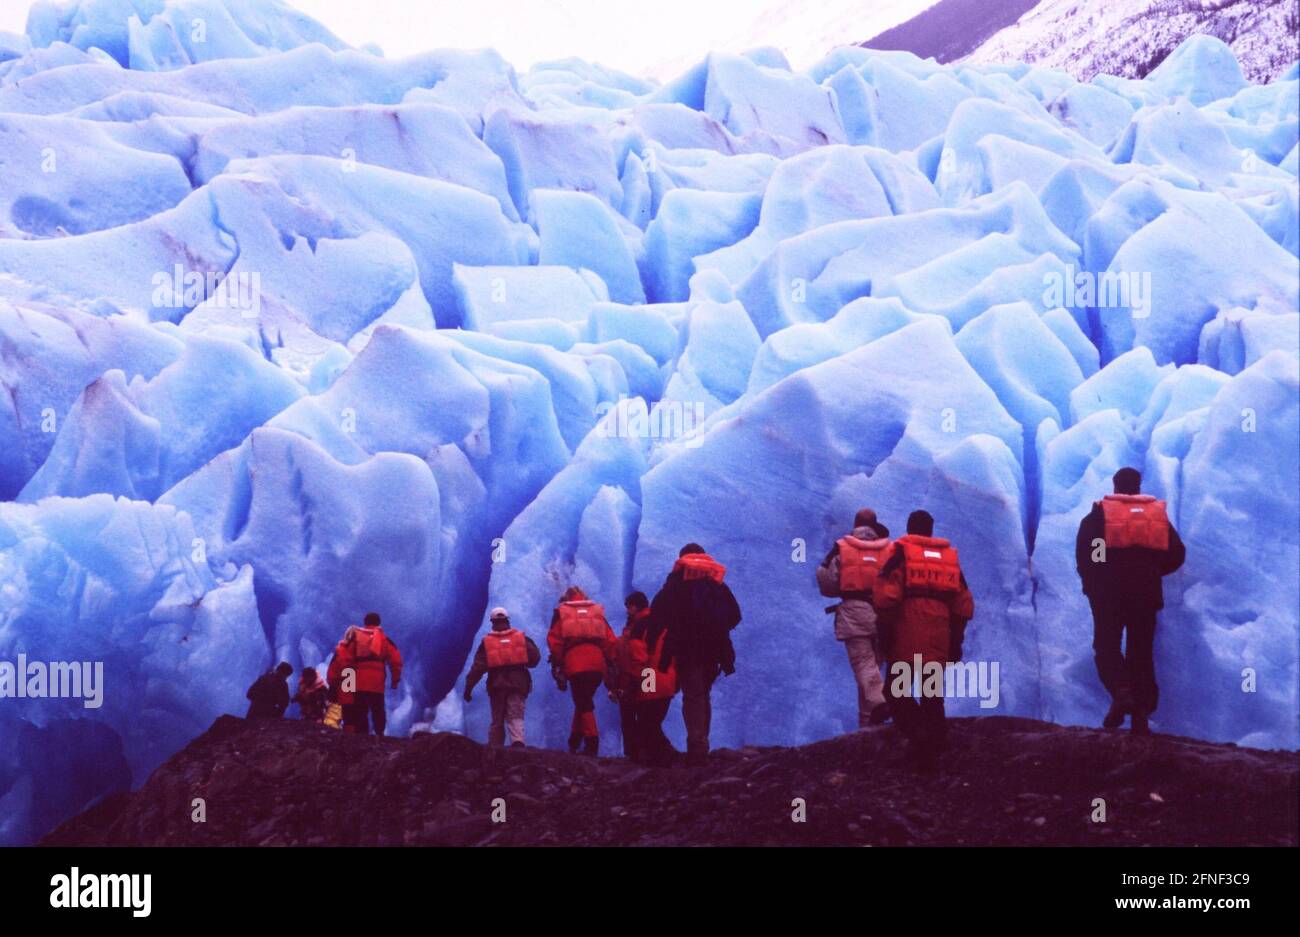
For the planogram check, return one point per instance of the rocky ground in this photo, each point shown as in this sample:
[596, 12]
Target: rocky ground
[1004, 781]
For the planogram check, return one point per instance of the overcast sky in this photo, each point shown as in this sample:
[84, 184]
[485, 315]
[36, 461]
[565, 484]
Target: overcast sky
[650, 37]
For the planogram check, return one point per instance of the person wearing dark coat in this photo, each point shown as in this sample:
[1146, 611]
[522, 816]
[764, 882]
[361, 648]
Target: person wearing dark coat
[269, 695]
[698, 611]
[1125, 547]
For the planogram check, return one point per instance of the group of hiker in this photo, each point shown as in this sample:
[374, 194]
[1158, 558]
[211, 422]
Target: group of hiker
[350, 697]
[900, 601]
[903, 603]
[681, 640]
[907, 602]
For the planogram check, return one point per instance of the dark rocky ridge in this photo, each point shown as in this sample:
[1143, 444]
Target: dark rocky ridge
[951, 29]
[1005, 781]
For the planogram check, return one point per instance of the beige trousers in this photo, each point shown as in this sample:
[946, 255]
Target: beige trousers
[866, 670]
[507, 713]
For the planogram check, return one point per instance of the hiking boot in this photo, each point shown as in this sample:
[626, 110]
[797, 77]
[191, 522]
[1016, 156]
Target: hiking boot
[879, 715]
[574, 741]
[1114, 716]
[1139, 724]
[517, 745]
[591, 745]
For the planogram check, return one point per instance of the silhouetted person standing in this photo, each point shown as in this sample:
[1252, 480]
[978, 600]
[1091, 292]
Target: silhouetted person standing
[268, 697]
[1124, 548]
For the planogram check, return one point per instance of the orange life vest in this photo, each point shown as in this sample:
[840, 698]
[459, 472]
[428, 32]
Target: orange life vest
[930, 565]
[582, 620]
[507, 648]
[665, 682]
[861, 561]
[632, 653]
[700, 566]
[368, 644]
[1135, 521]
[637, 664]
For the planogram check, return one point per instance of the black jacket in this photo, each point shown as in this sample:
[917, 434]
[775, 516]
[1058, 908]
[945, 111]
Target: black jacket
[1130, 576]
[698, 615]
[515, 679]
[268, 696]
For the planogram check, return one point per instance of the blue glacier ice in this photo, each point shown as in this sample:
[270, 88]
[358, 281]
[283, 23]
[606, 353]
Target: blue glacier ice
[291, 331]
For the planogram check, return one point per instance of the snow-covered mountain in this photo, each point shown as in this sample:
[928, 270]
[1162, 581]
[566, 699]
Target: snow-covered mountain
[1131, 37]
[290, 332]
[1127, 38]
[805, 30]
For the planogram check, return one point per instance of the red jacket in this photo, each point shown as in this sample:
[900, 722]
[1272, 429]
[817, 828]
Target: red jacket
[590, 652]
[924, 598]
[366, 651]
[633, 657]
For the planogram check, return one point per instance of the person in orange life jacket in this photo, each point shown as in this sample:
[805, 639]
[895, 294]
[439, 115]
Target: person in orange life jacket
[643, 692]
[582, 646]
[1124, 548]
[269, 695]
[357, 669]
[923, 593]
[311, 695]
[505, 655]
[698, 612]
[848, 573]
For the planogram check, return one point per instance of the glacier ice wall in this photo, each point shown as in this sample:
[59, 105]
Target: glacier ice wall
[290, 331]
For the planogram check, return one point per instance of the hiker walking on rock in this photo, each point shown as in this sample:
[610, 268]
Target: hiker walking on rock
[644, 692]
[849, 573]
[698, 612]
[505, 655]
[357, 669]
[924, 594]
[582, 646]
[1124, 548]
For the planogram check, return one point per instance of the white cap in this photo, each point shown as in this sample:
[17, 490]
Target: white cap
[498, 612]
